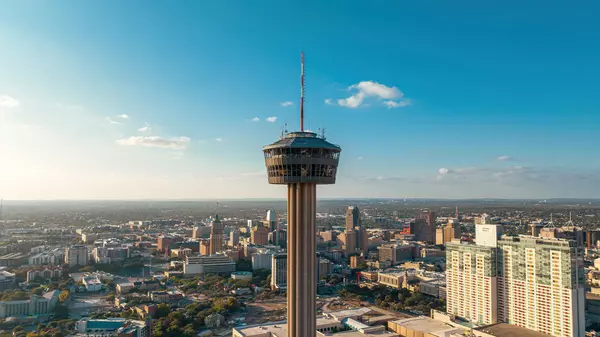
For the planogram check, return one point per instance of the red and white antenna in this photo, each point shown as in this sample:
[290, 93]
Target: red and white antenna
[302, 94]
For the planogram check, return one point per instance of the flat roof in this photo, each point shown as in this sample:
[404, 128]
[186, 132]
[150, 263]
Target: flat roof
[509, 330]
[423, 324]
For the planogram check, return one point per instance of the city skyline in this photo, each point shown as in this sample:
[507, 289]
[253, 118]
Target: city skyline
[124, 104]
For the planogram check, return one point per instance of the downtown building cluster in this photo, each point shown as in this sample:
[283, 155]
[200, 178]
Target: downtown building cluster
[532, 282]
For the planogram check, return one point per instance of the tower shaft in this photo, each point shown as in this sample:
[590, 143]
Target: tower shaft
[301, 287]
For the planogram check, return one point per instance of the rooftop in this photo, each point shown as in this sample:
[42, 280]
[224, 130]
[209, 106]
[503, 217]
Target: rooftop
[509, 330]
[425, 325]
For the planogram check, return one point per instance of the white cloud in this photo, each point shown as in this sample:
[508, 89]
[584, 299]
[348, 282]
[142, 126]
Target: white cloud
[178, 143]
[329, 101]
[286, 104]
[272, 119]
[256, 119]
[353, 101]
[145, 128]
[395, 104]
[443, 170]
[112, 121]
[219, 139]
[8, 101]
[123, 116]
[504, 158]
[366, 89]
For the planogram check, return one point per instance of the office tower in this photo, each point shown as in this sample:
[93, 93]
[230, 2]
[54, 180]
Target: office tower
[163, 243]
[325, 267]
[279, 271]
[280, 238]
[424, 227]
[234, 238]
[451, 231]
[350, 243]
[259, 235]
[541, 285]
[362, 238]
[439, 236]
[272, 220]
[204, 247]
[76, 255]
[395, 253]
[301, 160]
[471, 282]
[216, 236]
[356, 261]
[352, 218]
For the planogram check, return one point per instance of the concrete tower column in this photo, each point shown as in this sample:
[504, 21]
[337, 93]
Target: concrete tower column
[301, 287]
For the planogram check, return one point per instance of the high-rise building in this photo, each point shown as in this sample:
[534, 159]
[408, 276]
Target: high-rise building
[259, 235]
[451, 231]
[163, 242]
[351, 239]
[325, 267]
[279, 271]
[216, 236]
[356, 261]
[395, 253]
[301, 160]
[262, 261]
[362, 239]
[541, 285]
[272, 220]
[204, 247]
[471, 282]
[352, 218]
[76, 255]
[234, 238]
[424, 227]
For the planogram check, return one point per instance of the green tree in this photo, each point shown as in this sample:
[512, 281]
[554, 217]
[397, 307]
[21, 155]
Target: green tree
[63, 296]
[61, 311]
[162, 310]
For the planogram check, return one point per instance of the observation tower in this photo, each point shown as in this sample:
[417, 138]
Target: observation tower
[301, 160]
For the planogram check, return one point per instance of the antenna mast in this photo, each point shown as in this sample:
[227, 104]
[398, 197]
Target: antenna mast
[302, 94]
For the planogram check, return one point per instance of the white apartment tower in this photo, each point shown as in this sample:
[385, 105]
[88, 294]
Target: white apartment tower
[541, 285]
[471, 282]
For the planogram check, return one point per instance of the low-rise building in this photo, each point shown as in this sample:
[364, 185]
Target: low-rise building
[7, 280]
[424, 326]
[212, 264]
[48, 272]
[34, 306]
[113, 327]
[92, 283]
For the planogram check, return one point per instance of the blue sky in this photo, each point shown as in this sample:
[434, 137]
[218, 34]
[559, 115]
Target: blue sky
[137, 99]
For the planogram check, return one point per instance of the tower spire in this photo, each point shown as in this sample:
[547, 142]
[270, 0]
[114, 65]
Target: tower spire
[302, 93]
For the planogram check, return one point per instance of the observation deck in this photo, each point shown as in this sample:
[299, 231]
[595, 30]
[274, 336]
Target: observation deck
[302, 157]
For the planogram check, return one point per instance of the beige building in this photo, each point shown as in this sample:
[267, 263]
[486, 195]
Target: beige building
[356, 261]
[259, 236]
